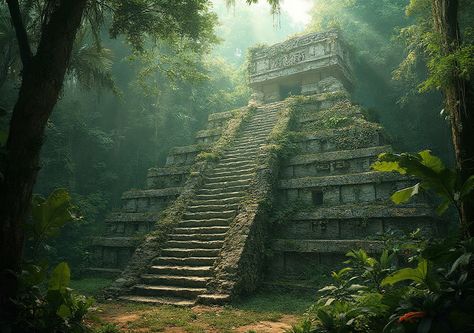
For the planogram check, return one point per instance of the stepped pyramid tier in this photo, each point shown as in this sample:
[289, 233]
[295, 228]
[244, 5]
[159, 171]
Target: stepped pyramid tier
[286, 175]
[215, 231]
[141, 208]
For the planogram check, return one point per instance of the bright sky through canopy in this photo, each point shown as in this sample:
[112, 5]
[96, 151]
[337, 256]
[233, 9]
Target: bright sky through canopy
[242, 25]
[298, 10]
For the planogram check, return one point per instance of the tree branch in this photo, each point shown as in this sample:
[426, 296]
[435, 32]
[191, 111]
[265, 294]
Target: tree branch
[20, 30]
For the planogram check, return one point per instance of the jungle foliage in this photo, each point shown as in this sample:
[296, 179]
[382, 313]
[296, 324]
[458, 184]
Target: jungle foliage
[414, 286]
[394, 57]
[45, 302]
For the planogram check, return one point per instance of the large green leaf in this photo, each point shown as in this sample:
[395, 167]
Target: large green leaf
[467, 187]
[60, 277]
[325, 318]
[417, 274]
[432, 162]
[49, 215]
[428, 169]
[441, 209]
[405, 194]
[64, 311]
[463, 260]
[388, 162]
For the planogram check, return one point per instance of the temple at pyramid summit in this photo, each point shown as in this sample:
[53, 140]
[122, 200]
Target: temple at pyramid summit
[267, 193]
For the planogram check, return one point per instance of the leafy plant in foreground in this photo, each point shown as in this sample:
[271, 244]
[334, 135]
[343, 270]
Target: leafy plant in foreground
[436, 295]
[441, 290]
[432, 174]
[45, 303]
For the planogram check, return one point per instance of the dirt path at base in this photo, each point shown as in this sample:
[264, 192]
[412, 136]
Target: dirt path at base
[280, 326]
[124, 318]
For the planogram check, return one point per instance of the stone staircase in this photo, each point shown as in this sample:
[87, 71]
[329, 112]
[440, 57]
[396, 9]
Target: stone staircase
[180, 273]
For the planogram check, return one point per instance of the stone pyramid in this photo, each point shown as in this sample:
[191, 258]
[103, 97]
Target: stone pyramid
[288, 175]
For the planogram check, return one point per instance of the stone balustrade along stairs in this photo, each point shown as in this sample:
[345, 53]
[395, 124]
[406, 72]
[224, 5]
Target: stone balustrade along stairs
[179, 275]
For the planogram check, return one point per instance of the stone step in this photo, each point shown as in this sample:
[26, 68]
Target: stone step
[205, 271]
[216, 222]
[213, 299]
[174, 280]
[186, 253]
[225, 201]
[190, 261]
[224, 189]
[264, 118]
[254, 132]
[250, 144]
[251, 138]
[245, 171]
[237, 158]
[261, 121]
[232, 169]
[258, 124]
[146, 290]
[201, 237]
[233, 164]
[231, 177]
[223, 183]
[220, 196]
[158, 300]
[264, 128]
[251, 134]
[195, 244]
[247, 150]
[212, 207]
[208, 215]
[201, 230]
[247, 153]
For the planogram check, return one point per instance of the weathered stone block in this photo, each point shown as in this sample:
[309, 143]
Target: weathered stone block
[304, 170]
[331, 195]
[360, 228]
[166, 177]
[287, 172]
[348, 195]
[365, 192]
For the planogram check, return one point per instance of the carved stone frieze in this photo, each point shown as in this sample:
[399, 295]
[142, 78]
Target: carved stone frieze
[311, 56]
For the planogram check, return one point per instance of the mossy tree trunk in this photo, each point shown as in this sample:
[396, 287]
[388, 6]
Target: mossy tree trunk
[459, 101]
[42, 78]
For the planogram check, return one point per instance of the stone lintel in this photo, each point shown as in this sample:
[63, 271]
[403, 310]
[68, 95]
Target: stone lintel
[368, 211]
[338, 155]
[115, 241]
[165, 192]
[325, 246]
[168, 171]
[349, 179]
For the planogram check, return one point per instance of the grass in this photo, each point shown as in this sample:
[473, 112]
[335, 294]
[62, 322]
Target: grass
[90, 286]
[277, 302]
[268, 306]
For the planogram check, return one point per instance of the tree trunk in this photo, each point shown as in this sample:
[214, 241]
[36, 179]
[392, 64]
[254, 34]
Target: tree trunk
[42, 79]
[459, 102]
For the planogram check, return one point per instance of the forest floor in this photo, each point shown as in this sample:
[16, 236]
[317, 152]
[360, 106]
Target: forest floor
[264, 312]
